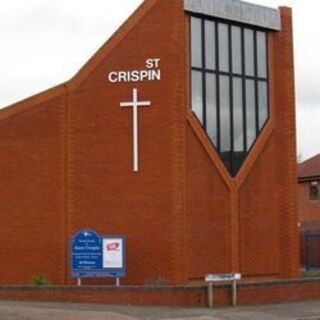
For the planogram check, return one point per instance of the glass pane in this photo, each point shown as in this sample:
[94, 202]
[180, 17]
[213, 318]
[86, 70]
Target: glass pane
[224, 91]
[237, 115]
[262, 54]
[210, 45]
[196, 56]
[263, 103]
[197, 101]
[250, 113]
[211, 108]
[223, 47]
[236, 50]
[249, 52]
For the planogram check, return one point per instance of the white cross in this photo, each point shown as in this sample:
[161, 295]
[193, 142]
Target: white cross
[135, 104]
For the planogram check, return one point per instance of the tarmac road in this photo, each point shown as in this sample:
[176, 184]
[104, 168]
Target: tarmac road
[69, 311]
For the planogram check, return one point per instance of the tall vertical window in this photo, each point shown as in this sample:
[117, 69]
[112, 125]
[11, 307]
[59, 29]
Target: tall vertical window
[229, 85]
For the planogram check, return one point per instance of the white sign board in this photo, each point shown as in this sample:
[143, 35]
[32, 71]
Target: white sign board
[112, 253]
[222, 277]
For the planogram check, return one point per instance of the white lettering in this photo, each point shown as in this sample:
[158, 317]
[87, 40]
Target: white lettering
[156, 75]
[152, 63]
[149, 63]
[113, 77]
[122, 76]
[144, 74]
[151, 73]
[135, 77]
[156, 62]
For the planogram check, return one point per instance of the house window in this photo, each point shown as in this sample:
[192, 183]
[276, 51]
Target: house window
[314, 190]
[229, 85]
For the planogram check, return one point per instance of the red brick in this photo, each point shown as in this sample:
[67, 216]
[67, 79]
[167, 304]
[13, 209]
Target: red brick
[67, 165]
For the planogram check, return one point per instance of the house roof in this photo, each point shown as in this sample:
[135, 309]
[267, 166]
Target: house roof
[309, 168]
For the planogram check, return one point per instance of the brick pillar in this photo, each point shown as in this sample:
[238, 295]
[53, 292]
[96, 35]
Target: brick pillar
[283, 68]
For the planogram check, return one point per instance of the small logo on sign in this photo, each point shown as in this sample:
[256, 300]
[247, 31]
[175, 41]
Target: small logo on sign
[114, 246]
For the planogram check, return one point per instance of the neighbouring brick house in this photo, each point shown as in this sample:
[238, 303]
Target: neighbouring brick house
[212, 187]
[309, 202]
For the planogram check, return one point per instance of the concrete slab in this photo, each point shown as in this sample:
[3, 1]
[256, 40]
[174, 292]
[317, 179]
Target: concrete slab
[14, 312]
[69, 311]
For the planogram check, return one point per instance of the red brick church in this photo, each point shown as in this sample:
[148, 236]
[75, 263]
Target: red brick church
[179, 133]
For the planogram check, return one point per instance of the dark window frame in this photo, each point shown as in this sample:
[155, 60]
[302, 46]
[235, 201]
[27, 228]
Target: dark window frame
[314, 194]
[232, 164]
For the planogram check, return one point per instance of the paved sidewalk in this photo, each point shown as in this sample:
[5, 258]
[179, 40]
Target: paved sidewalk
[68, 311]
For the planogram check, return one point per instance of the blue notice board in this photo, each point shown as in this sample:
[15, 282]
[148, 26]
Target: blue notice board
[95, 256]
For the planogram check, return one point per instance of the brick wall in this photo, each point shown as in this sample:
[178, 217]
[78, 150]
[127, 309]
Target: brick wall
[191, 296]
[32, 225]
[309, 210]
[146, 207]
[68, 160]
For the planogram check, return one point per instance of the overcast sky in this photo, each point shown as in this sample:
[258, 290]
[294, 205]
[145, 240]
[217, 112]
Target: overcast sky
[45, 42]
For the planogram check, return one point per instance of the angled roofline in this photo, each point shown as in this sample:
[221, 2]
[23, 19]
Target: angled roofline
[111, 43]
[33, 101]
[308, 179]
[305, 173]
[86, 69]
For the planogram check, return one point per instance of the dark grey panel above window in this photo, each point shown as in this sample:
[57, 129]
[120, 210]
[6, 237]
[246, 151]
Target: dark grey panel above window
[235, 10]
[229, 80]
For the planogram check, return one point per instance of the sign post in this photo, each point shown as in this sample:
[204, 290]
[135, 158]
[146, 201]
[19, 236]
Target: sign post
[227, 277]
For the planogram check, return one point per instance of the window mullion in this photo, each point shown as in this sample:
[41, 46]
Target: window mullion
[268, 89]
[218, 87]
[244, 109]
[204, 90]
[232, 166]
[256, 81]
